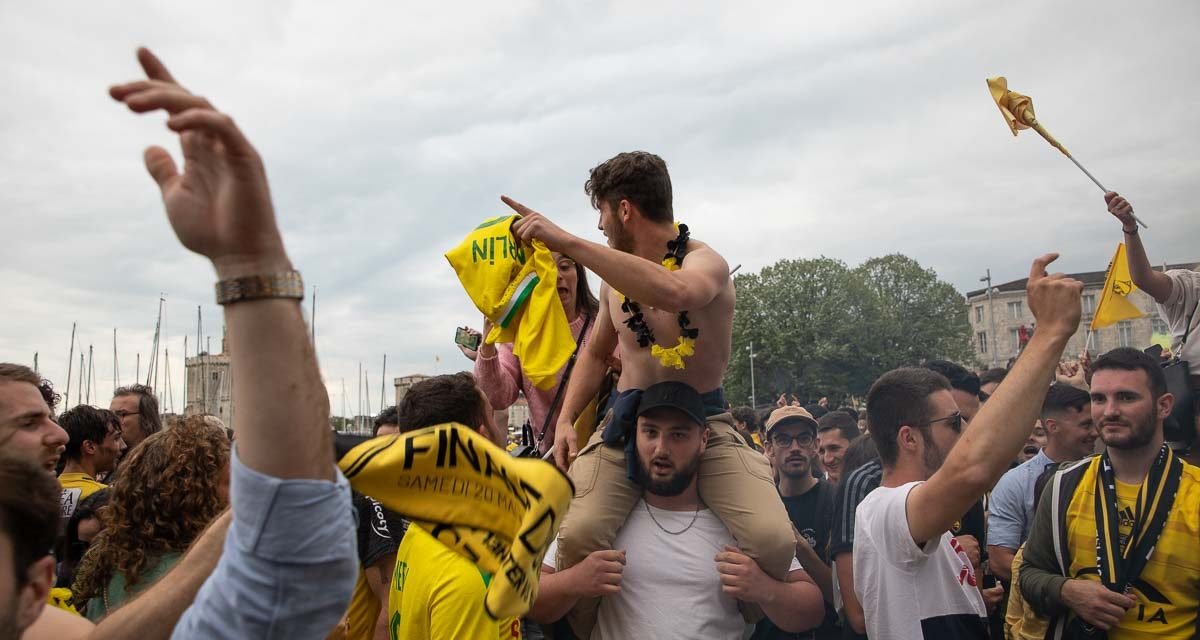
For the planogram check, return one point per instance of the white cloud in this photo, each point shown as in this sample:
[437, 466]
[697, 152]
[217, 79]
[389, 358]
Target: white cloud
[795, 130]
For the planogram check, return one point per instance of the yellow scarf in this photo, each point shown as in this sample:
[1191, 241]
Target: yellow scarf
[498, 511]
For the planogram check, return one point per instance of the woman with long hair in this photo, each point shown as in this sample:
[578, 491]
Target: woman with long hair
[498, 371]
[168, 490]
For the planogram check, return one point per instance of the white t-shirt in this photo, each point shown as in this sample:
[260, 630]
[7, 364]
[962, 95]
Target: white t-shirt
[906, 591]
[1182, 303]
[670, 587]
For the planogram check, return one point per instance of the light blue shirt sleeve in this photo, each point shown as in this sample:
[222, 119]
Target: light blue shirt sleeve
[1006, 510]
[289, 563]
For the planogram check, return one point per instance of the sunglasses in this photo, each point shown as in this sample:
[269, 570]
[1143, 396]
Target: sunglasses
[954, 421]
[784, 440]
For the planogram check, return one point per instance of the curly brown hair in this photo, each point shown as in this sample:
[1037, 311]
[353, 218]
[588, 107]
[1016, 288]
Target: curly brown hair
[166, 493]
[637, 176]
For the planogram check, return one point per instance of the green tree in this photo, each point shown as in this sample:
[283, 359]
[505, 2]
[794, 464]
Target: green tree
[821, 328]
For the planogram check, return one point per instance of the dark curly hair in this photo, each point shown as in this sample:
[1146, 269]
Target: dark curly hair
[168, 490]
[637, 176]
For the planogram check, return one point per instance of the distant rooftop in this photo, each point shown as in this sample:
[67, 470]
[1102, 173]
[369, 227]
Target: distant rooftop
[1088, 278]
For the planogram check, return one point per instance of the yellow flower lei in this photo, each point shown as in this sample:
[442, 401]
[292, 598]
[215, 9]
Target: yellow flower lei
[672, 357]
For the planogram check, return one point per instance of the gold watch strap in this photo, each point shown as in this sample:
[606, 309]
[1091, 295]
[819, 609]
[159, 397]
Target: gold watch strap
[287, 284]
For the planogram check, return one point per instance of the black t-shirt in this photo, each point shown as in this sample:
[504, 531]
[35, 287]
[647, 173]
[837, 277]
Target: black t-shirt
[812, 515]
[379, 530]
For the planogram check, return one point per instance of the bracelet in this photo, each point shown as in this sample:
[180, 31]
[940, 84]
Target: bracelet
[1130, 233]
[287, 284]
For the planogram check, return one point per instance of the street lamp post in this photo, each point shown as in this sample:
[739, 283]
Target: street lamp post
[991, 316]
[753, 395]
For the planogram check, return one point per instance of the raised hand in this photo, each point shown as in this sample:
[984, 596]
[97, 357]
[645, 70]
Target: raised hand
[535, 226]
[220, 206]
[1054, 299]
[1121, 210]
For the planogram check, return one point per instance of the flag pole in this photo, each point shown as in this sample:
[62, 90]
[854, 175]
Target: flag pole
[1031, 120]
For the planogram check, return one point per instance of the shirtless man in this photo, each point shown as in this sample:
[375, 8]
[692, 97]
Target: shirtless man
[632, 192]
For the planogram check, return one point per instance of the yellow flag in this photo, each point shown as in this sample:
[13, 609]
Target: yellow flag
[1118, 284]
[1017, 110]
[498, 511]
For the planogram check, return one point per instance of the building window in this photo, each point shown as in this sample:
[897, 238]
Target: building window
[1014, 310]
[982, 339]
[1125, 333]
[1089, 303]
[1158, 326]
[1014, 340]
[978, 314]
[216, 376]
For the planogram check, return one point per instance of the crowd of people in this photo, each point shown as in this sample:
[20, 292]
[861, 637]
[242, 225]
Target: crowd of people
[1042, 500]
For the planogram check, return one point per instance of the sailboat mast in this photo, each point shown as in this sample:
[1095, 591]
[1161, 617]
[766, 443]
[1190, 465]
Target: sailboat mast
[70, 362]
[116, 370]
[383, 385]
[87, 394]
[152, 368]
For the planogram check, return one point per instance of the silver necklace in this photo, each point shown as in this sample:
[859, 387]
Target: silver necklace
[668, 531]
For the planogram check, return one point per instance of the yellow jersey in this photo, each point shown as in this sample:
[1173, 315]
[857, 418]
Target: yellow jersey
[437, 594]
[1168, 590]
[75, 487]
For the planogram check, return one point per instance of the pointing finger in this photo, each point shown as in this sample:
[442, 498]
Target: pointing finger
[154, 68]
[1039, 266]
[516, 206]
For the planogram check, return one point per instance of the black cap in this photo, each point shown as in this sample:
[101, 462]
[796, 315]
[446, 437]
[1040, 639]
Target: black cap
[674, 395]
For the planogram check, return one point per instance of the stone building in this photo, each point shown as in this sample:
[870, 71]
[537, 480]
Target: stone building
[404, 383]
[209, 387]
[1001, 326]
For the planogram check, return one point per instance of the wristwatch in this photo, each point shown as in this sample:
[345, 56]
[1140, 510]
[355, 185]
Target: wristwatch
[287, 284]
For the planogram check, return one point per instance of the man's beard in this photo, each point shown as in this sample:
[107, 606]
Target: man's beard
[1140, 434]
[670, 487]
[932, 456]
[621, 239]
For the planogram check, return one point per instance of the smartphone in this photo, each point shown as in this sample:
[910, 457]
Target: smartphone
[467, 339]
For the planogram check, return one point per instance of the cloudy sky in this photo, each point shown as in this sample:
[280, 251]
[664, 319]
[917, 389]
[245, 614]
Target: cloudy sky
[792, 130]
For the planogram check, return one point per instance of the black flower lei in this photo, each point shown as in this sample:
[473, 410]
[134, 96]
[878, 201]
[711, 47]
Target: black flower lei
[676, 250]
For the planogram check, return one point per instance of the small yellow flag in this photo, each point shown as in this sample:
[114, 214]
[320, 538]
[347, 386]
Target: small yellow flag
[1017, 110]
[1118, 284]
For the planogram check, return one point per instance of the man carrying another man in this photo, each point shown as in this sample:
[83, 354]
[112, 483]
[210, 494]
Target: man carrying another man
[678, 572]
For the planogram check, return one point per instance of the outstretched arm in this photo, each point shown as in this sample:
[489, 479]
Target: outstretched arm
[220, 207]
[1003, 424]
[292, 516]
[700, 279]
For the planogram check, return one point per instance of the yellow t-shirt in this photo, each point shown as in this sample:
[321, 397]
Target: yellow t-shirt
[1168, 590]
[363, 610]
[437, 594]
[1020, 622]
[75, 487]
